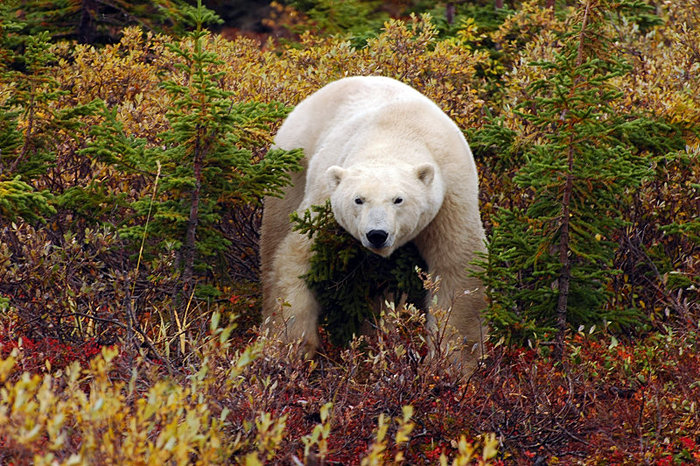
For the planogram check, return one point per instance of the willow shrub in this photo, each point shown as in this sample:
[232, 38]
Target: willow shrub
[227, 406]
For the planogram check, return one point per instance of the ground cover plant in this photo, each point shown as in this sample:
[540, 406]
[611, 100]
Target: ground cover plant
[131, 179]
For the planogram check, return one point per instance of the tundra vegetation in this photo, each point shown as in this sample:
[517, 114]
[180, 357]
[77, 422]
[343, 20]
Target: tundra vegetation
[133, 161]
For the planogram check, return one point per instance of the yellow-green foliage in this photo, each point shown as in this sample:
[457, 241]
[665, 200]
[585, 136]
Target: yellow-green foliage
[665, 73]
[409, 51]
[126, 74]
[91, 416]
[84, 417]
[665, 78]
[531, 22]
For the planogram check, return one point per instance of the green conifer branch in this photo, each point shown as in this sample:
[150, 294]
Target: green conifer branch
[351, 282]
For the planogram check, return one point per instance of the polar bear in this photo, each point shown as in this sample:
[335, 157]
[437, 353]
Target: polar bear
[396, 169]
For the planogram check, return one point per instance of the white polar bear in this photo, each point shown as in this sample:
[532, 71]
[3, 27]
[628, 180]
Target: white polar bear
[396, 169]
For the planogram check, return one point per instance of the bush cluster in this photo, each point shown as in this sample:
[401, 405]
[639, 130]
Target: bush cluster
[243, 403]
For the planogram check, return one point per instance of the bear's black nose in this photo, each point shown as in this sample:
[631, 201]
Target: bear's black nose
[377, 237]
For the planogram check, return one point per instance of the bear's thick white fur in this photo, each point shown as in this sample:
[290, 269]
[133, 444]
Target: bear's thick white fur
[392, 164]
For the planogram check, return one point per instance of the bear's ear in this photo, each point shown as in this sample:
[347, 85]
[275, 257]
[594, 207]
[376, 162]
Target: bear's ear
[425, 172]
[334, 175]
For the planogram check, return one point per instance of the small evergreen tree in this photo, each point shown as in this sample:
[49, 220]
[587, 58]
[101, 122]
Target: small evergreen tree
[549, 265]
[204, 166]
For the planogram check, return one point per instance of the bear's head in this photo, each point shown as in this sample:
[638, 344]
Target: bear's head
[385, 207]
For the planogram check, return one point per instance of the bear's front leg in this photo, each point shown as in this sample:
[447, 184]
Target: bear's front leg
[462, 298]
[300, 309]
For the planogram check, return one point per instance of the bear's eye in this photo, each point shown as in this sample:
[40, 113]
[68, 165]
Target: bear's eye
[398, 200]
[359, 201]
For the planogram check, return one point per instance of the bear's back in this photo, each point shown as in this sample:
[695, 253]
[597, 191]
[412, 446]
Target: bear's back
[346, 102]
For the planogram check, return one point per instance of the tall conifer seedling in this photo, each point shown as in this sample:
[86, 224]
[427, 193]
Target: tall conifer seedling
[549, 265]
[206, 164]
